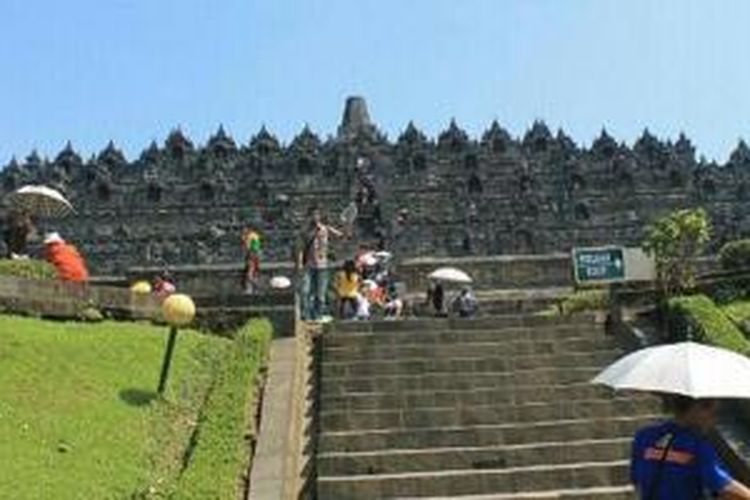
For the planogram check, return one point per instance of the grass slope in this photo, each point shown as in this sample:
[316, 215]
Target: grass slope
[76, 419]
[222, 444]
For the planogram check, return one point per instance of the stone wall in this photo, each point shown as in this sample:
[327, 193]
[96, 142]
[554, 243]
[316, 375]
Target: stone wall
[451, 196]
[58, 299]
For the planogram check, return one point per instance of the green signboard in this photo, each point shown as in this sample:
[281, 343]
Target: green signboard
[603, 264]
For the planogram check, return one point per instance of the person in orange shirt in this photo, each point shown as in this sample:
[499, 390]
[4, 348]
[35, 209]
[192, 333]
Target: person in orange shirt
[66, 259]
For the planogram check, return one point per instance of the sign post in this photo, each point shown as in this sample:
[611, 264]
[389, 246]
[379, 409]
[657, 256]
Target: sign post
[599, 265]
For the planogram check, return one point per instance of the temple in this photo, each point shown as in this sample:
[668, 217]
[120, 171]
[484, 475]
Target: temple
[451, 196]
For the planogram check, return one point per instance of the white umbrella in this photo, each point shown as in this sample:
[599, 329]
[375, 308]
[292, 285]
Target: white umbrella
[383, 255]
[40, 201]
[686, 368]
[450, 275]
[280, 282]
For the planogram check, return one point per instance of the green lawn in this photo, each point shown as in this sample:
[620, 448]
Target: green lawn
[77, 420]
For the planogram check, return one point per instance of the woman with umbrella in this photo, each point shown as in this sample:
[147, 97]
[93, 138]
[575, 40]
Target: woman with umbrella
[436, 290]
[25, 203]
[19, 228]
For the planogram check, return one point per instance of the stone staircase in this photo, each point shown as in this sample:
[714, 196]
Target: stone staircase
[491, 408]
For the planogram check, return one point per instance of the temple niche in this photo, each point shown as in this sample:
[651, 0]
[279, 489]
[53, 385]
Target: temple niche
[182, 203]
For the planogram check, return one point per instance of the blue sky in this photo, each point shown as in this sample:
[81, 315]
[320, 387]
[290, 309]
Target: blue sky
[94, 70]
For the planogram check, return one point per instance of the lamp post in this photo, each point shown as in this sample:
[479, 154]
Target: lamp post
[178, 310]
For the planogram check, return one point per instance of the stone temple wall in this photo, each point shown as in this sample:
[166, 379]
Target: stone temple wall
[451, 196]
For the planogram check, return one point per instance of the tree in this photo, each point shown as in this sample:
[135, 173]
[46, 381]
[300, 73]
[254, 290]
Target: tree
[674, 241]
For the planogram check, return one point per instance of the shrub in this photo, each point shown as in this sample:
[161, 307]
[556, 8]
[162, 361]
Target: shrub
[738, 311]
[674, 241]
[27, 268]
[91, 314]
[697, 317]
[735, 255]
[727, 291]
[579, 301]
[220, 452]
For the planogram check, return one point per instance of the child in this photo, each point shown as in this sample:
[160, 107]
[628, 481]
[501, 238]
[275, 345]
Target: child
[363, 308]
[252, 246]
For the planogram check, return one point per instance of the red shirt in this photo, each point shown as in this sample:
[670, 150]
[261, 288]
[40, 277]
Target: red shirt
[68, 262]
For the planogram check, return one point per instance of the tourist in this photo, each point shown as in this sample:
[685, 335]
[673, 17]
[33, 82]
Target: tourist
[363, 307]
[314, 260]
[375, 293]
[394, 305]
[465, 303]
[362, 258]
[674, 460]
[164, 286]
[436, 298]
[347, 288]
[19, 229]
[251, 244]
[66, 259]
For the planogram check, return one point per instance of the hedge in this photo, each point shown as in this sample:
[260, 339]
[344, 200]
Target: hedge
[704, 321]
[580, 301]
[735, 255]
[220, 454]
[27, 268]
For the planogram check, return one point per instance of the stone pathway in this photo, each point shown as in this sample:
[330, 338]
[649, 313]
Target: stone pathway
[271, 465]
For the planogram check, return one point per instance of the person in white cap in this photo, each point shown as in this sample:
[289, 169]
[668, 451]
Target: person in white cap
[66, 259]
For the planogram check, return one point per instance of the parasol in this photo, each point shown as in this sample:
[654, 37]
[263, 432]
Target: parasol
[685, 368]
[40, 201]
[450, 275]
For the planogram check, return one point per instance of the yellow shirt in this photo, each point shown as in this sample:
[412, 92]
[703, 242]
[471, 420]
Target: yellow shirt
[347, 287]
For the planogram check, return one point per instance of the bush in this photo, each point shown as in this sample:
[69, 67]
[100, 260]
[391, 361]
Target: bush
[91, 314]
[738, 311]
[727, 291]
[697, 317]
[220, 453]
[27, 268]
[735, 255]
[580, 301]
[674, 241]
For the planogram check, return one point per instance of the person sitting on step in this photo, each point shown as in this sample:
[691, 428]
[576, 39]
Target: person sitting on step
[347, 288]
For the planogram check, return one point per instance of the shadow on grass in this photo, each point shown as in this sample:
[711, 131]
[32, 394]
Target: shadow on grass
[137, 397]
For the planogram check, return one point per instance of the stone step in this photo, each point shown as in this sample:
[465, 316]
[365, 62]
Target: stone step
[466, 482]
[463, 398]
[457, 381]
[598, 493]
[468, 349]
[483, 435]
[492, 362]
[489, 457]
[428, 337]
[479, 415]
[488, 322]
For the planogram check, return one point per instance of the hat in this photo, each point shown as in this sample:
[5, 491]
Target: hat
[53, 237]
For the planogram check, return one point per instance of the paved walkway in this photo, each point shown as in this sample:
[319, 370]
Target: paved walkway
[272, 465]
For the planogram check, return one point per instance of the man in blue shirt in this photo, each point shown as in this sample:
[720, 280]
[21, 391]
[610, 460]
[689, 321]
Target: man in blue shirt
[674, 461]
